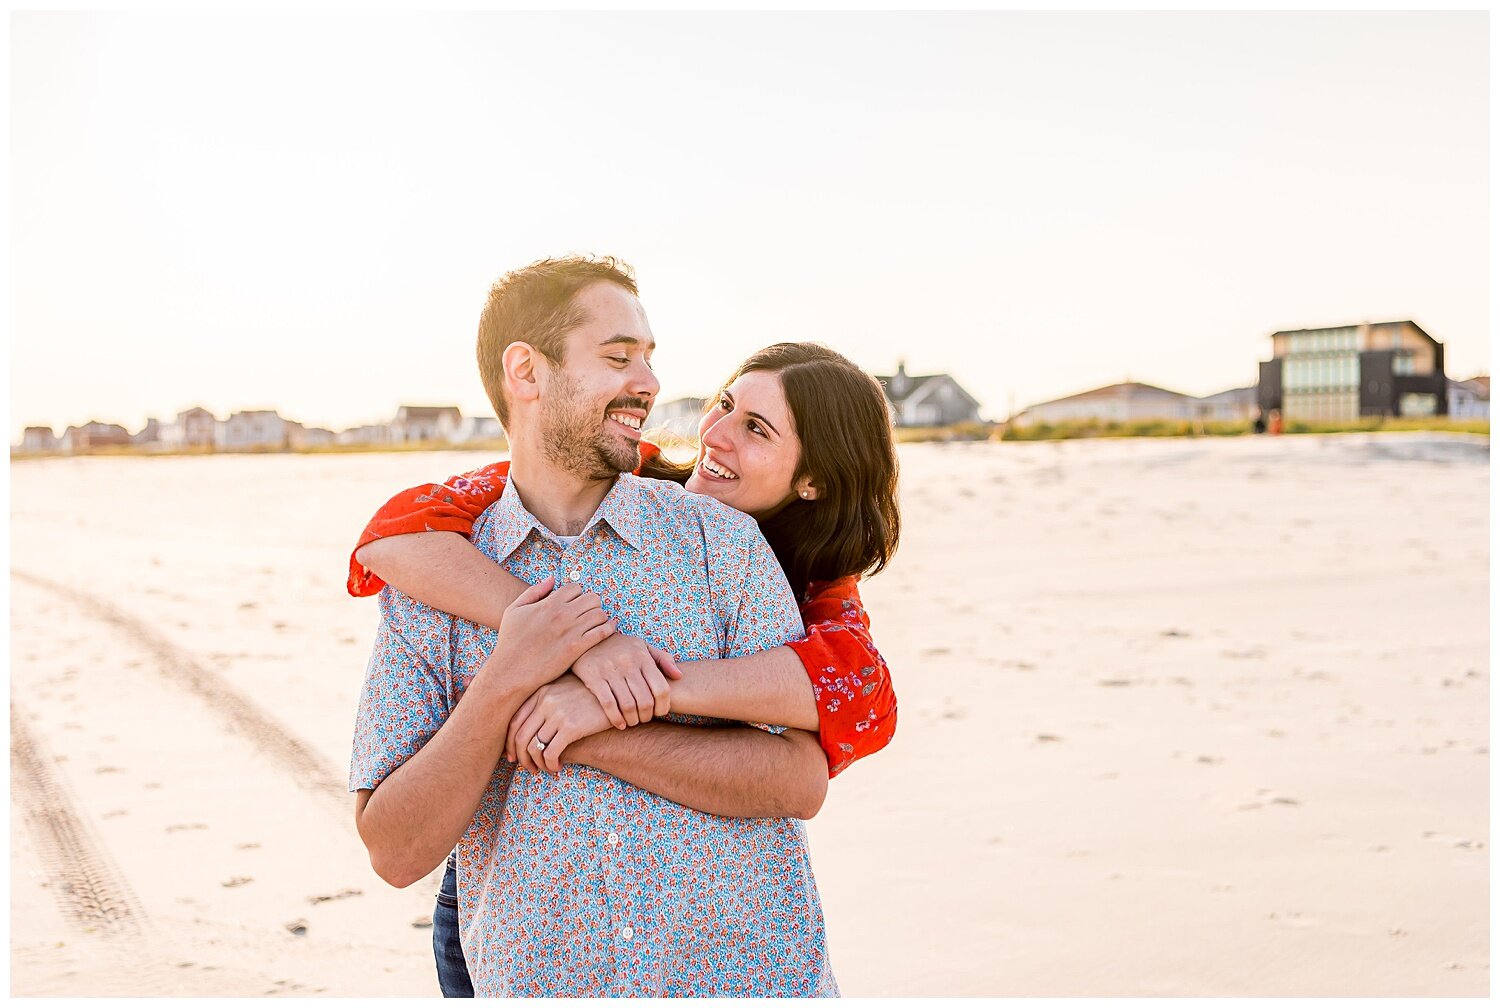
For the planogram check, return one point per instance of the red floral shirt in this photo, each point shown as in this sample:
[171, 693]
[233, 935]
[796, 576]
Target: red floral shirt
[850, 680]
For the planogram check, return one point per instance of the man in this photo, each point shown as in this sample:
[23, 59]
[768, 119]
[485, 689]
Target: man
[594, 881]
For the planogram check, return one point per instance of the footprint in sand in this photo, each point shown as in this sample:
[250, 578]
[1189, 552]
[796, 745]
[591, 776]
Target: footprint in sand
[1294, 919]
[297, 927]
[341, 894]
[1453, 841]
[238, 880]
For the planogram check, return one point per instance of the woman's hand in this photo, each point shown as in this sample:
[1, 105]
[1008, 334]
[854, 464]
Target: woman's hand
[629, 679]
[543, 632]
[556, 715]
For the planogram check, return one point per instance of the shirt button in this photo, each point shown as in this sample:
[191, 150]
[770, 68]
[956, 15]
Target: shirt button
[614, 839]
[575, 574]
[627, 932]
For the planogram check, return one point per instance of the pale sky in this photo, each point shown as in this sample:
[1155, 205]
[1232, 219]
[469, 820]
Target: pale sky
[304, 212]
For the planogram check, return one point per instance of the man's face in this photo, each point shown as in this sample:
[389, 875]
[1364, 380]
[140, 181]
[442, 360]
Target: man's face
[594, 403]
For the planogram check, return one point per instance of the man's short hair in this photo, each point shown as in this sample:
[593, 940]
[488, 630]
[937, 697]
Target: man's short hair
[534, 305]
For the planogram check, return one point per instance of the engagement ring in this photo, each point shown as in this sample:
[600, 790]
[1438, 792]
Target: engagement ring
[540, 745]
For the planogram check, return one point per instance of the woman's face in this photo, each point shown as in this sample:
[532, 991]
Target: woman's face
[750, 448]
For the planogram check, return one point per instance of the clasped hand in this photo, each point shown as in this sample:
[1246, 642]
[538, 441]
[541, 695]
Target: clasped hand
[615, 679]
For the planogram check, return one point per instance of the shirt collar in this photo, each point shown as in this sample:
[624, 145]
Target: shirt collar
[621, 509]
[511, 523]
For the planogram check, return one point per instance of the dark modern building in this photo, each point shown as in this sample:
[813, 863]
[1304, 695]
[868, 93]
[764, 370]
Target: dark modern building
[1346, 372]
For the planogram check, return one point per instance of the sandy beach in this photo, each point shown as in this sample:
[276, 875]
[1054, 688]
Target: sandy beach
[1177, 717]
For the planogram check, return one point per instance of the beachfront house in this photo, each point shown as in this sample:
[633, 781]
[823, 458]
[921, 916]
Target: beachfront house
[477, 428]
[1469, 400]
[368, 434]
[680, 416]
[1120, 403]
[192, 428]
[37, 439]
[300, 437]
[149, 434]
[1346, 372]
[425, 423]
[1232, 405]
[91, 436]
[935, 400]
[252, 430]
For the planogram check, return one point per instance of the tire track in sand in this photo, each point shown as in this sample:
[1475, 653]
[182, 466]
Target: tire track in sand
[307, 769]
[91, 891]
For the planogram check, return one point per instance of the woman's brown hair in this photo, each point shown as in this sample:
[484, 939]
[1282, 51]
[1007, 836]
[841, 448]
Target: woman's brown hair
[853, 524]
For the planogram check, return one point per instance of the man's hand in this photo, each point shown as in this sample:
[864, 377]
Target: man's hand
[543, 632]
[629, 678]
[557, 714]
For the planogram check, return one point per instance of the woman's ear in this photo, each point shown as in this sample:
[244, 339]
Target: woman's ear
[805, 489]
[519, 362]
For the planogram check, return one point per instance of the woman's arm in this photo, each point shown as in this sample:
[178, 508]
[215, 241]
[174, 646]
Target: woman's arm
[834, 681]
[452, 506]
[446, 571]
[770, 687]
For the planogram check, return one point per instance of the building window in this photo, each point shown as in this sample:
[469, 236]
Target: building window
[1404, 363]
[1418, 404]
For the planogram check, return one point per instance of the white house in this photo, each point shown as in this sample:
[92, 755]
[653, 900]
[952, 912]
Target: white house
[1469, 400]
[1122, 402]
[38, 439]
[299, 436]
[425, 423]
[477, 428]
[192, 428]
[250, 429]
[1237, 404]
[369, 434]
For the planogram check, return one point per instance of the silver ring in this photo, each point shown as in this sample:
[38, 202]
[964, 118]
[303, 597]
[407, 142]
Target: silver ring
[540, 745]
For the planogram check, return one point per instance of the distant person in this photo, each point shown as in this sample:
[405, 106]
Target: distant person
[1274, 426]
[1259, 426]
[828, 506]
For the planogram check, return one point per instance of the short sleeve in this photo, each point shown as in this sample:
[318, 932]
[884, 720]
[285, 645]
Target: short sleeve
[408, 691]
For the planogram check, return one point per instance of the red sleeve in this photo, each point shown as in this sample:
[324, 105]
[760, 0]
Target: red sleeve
[850, 681]
[453, 506]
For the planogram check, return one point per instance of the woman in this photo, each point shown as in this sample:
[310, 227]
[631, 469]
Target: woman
[800, 439]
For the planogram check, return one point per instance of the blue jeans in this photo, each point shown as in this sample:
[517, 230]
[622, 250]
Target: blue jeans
[452, 971]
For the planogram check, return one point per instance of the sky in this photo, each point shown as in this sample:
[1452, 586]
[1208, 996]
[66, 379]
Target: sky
[304, 212]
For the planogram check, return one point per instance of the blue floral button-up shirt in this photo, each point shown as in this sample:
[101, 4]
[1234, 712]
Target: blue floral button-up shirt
[580, 883]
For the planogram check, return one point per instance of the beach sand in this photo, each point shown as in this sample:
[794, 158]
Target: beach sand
[1177, 717]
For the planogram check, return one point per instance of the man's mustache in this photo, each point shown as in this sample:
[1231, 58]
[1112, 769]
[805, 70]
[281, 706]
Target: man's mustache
[629, 402]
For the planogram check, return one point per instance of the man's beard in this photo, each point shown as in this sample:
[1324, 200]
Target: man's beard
[573, 436]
